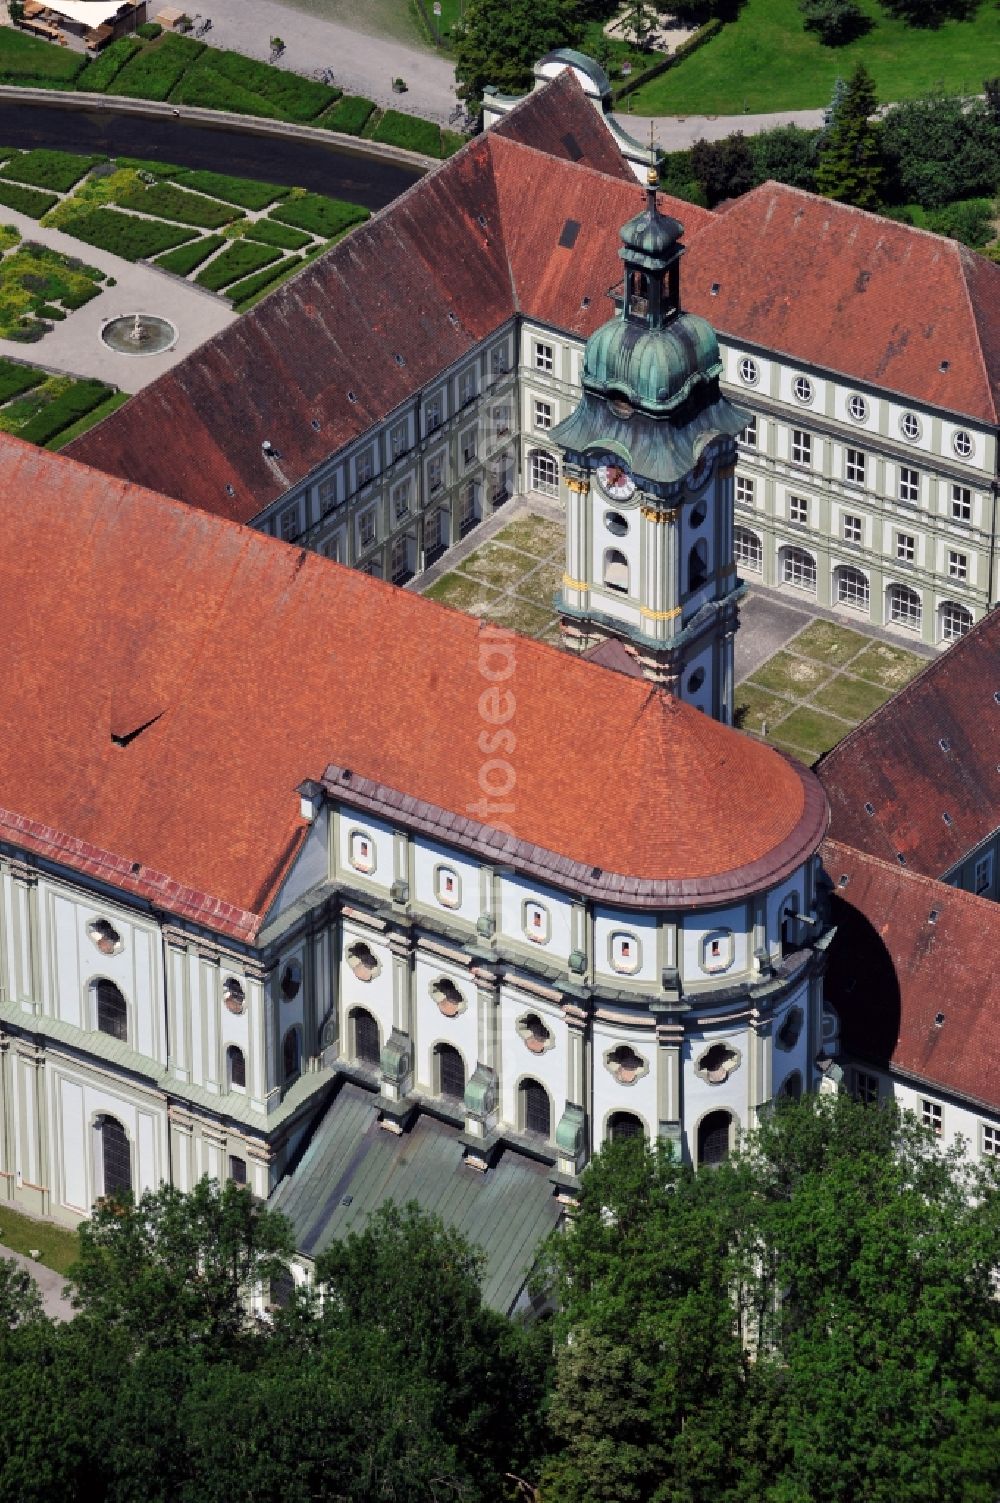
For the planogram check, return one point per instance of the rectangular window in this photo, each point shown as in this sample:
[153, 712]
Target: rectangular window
[961, 503]
[749, 434]
[498, 360]
[289, 523]
[865, 1087]
[931, 1116]
[432, 414]
[543, 414]
[237, 1169]
[399, 562]
[958, 565]
[906, 547]
[373, 568]
[363, 468]
[467, 388]
[333, 548]
[401, 500]
[802, 447]
[469, 446]
[991, 1141]
[366, 528]
[909, 485]
[852, 529]
[544, 356]
[435, 474]
[468, 508]
[399, 440]
[326, 494]
[501, 421]
[983, 876]
[854, 466]
[744, 491]
[798, 509]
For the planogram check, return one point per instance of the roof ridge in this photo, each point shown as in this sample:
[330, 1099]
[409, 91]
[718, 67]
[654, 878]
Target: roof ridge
[958, 894]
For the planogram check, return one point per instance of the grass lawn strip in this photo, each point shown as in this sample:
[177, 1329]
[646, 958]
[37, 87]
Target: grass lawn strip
[158, 68]
[790, 675]
[322, 216]
[813, 730]
[887, 665]
[241, 258]
[58, 1247]
[28, 60]
[99, 75]
[396, 129]
[765, 60]
[349, 115]
[827, 643]
[852, 698]
[537, 535]
[463, 594]
[496, 565]
[59, 170]
[185, 258]
[755, 708]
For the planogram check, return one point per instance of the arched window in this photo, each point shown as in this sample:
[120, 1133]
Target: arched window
[791, 1088]
[713, 1138]
[367, 1048]
[853, 588]
[236, 1067]
[115, 1161]
[955, 621]
[450, 1072]
[112, 1013]
[798, 569]
[749, 549]
[237, 1169]
[616, 570]
[535, 1114]
[624, 1125]
[905, 607]
[291, 1054]
[698, 565]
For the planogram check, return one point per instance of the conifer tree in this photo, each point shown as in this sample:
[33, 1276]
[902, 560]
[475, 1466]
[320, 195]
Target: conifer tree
[850, 166]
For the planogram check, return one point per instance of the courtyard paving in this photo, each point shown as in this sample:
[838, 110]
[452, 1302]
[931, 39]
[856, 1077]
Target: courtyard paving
[803, 682]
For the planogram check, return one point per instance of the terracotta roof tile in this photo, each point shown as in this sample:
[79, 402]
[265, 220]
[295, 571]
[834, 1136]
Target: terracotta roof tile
[893, 971]
[268, 663]
[561, 121]
[895, 762]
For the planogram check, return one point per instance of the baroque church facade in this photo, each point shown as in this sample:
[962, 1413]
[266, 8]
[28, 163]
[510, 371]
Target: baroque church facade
[429, 909]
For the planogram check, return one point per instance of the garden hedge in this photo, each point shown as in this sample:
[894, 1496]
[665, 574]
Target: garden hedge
[323, 216]
[68, 407]
[128, 236]
[287, 95]
[242, 257]
[271, 233]
[350, 115]
[158, 68]
[185, 258]
[249, 290]
[410, 132]
[15, 379]
[89, 420]
[235, 190]
[28, 60]
[43, 168]
[170, 202]
[26, 200]
[100, 74]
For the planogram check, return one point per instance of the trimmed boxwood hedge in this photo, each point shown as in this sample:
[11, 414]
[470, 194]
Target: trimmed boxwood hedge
[271, 233]
[127, 235]
[170, 202]
[235, 190]
[242, 257]
[14, 379]
[45, 417]
[186, 257]
[323, 216]
[26, 200]
[98, 75]
[43, 168]
[350, 114]
[410, 132]
[89, 420]
[246, 292]
[286, 96]
[157, 69]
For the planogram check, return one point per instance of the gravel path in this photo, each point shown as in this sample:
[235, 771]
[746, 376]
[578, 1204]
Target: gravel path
[677, 133]
[50, 1285]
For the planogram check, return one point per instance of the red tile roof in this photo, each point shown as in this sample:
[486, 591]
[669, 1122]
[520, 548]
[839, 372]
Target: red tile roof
[562, 122]
[895, 761]
[264, 663]
[892, 971]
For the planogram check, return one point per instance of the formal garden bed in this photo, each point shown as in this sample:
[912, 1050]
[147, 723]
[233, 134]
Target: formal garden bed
[184, 71]
[49, 409]
[229, 234]
[38, 286]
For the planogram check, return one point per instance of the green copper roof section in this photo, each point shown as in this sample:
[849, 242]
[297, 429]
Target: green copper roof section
[655, 449]
[655, 369]
[650, 239]
[580, 60]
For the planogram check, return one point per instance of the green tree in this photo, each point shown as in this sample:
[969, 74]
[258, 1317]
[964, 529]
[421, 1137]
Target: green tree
[172, 1268]
[940, 149]
[20, 1302]
[850, 167]
[786, 154]
[638, 19]
[499, 42]
[723, 169]
[835, 21]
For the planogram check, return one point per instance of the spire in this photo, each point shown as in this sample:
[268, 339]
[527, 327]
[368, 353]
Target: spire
[651, 250]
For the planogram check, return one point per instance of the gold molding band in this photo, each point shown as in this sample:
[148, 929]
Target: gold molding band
[582, 486]
[575, 584]
[659, 615]
[652, 514]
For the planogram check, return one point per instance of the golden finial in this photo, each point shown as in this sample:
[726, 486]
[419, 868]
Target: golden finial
[652, 171]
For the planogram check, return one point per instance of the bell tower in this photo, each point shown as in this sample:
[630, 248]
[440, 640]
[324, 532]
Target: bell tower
[648, 458]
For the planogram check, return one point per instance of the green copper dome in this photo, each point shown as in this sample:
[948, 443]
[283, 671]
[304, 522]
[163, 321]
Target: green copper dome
[650, 238]
[653, 369]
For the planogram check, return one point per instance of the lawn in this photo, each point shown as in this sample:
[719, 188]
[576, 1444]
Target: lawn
[510, 578]
[765, 61]
[58, 1247]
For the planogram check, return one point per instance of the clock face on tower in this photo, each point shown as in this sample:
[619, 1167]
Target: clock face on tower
[615, 478]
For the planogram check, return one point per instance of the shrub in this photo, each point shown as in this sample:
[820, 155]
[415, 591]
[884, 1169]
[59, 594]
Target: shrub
[186, 257]
[787, 154]
[677, 178]
[242, 257]
[149, 30]
[66, 408]
[171, 202]
[970, 220]
[29, 60]
[157, 69]
[271, 233]
[10, 236]
[323, 216]
[835, 21]
[250, 289]
[155, 169]
[81, 295]
[89, 420]
[724, 169]
[98, 75]
[246, 192]
[940, 149]
[15, 379]
[410, 132]
[26, 200]
[49, 310]
[127, 235]
[49, 169]
[350, 115]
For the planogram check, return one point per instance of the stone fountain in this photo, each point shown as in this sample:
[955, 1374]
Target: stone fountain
[139, 334]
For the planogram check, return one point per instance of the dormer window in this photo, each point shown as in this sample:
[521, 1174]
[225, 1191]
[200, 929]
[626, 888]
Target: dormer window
[447, 886]
[362, 851]
[536, 923]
